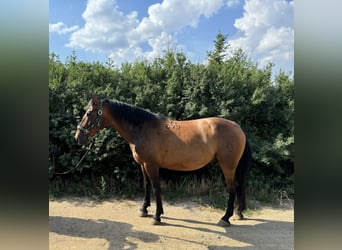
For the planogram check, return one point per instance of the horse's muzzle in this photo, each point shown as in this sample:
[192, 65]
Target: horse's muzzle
[81, 139]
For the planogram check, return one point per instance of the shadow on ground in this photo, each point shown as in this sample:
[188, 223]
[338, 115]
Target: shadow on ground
[265, 234]
[116, 233]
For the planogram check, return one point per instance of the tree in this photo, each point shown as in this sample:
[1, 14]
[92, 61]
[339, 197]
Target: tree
[220, 49]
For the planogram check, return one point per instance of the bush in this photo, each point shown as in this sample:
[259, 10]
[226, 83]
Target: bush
[234, 89]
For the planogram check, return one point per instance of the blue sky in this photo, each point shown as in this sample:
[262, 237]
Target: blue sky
[129, 30]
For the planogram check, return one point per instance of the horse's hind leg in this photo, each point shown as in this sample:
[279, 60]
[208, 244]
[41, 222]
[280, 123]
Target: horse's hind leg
[229, 212]
[241, 200]
[229, 177]
[241, 183]
[147, 199]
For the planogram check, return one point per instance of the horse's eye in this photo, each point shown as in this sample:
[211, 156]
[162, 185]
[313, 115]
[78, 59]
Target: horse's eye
[88, 113]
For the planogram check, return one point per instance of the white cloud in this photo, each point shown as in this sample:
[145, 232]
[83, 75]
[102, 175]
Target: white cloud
[276, 38]
[232, 3]
[265, 32]
[168, 17]
[109, 30]
[172, 15]
[160, 44]
[105, 29]
[61, 28]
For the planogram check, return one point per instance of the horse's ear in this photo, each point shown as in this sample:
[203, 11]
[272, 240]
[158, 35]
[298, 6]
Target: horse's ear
[94, 100]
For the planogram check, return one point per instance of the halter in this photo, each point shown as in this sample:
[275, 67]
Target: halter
[86, 131]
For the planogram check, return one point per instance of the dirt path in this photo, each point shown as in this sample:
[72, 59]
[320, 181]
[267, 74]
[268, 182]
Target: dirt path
[115, 224]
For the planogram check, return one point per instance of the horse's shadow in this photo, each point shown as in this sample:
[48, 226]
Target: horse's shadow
[259, 236]
[116, 233]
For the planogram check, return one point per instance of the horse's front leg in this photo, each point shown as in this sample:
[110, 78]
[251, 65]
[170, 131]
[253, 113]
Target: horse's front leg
[153, 173]
[147, 199]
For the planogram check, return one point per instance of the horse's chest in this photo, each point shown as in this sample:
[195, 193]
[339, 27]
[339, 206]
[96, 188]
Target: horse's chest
[142, 152]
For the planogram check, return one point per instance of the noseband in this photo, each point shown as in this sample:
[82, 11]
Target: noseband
[96, 123]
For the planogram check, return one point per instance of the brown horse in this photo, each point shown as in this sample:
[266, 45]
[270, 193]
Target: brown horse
[158, 142]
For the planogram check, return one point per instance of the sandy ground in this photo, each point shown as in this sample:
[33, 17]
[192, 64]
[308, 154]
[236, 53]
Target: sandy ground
[115, 224]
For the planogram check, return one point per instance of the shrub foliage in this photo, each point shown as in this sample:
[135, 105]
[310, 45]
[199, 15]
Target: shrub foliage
[234, 88]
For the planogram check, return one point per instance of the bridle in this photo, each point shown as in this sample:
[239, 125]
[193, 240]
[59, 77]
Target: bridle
[96, 123]
[85, 132]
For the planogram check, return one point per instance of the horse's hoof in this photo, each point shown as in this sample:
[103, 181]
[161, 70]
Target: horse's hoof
[223, 223]
[143, 214]
[156, 222]
[239, 216]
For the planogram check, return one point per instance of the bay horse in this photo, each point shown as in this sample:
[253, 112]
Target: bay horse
[159, 142]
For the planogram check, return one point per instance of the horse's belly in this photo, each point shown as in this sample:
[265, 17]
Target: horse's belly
[184, 167]
[186, 158]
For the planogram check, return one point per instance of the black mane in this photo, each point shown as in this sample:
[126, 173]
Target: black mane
[132, 114]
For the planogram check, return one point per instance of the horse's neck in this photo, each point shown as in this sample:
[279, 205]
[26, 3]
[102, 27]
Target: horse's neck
[123, 128]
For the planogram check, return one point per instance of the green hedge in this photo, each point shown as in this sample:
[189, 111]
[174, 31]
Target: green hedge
[235, 89]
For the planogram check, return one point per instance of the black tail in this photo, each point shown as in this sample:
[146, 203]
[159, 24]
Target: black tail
[241, 175]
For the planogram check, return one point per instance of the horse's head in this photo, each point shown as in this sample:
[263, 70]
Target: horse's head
[91, 122]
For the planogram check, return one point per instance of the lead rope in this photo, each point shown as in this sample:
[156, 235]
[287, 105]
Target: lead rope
[78, 164]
